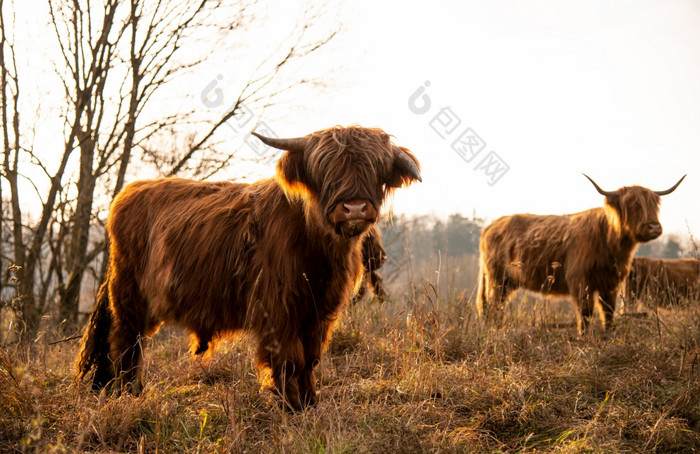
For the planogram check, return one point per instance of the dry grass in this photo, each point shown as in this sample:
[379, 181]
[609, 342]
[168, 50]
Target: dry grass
[418, 375]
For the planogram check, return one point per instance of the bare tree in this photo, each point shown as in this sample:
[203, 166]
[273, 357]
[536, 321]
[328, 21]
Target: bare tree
[114, 59]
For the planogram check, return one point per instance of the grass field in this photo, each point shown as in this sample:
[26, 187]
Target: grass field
[415, 375]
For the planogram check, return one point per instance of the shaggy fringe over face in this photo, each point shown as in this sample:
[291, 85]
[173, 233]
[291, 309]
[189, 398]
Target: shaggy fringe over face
[635, 207]
[345, 164]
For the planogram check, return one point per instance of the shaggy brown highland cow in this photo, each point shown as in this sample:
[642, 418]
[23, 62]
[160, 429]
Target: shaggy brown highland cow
[584, 255]
[277, 258]
[373, 258]
[664, 281]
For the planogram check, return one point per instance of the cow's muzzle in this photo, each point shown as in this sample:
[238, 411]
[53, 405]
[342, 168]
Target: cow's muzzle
[651, 231]
[353, 217]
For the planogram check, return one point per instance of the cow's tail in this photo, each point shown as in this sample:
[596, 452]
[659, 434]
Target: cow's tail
[94, 352]
[482, 289]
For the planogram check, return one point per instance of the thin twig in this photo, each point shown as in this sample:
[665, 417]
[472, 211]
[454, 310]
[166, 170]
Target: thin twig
[77, 336]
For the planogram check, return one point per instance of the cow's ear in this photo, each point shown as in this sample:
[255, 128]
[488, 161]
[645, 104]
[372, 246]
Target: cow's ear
[290, 168]
[614, 201]
[405, 169]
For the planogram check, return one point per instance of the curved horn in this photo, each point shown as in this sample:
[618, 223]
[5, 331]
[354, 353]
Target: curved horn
[295, 144]
[672, 188]
[404, 161]
[599, 189]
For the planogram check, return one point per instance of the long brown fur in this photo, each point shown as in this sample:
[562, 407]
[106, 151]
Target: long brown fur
[266, 258]
[584, 255]
[666, 281]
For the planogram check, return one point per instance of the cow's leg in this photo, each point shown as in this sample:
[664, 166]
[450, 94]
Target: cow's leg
[200, 341]
[314, 342]
[362, 291]
[285, 360]
[377, 285]
[496, 293]
[128, 327]
[585, 303]
[607, 303]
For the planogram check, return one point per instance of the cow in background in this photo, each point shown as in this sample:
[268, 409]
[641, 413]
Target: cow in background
[584, 255]
[373, 258]
[278, 258]
[663, 281]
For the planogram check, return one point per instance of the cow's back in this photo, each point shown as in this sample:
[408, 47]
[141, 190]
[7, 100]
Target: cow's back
[682, 276]
[525, 246]
[668, 280]
[145, 204]
[162, 232]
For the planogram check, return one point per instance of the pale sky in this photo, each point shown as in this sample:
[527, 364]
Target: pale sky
[554, 88]
[551, 88]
